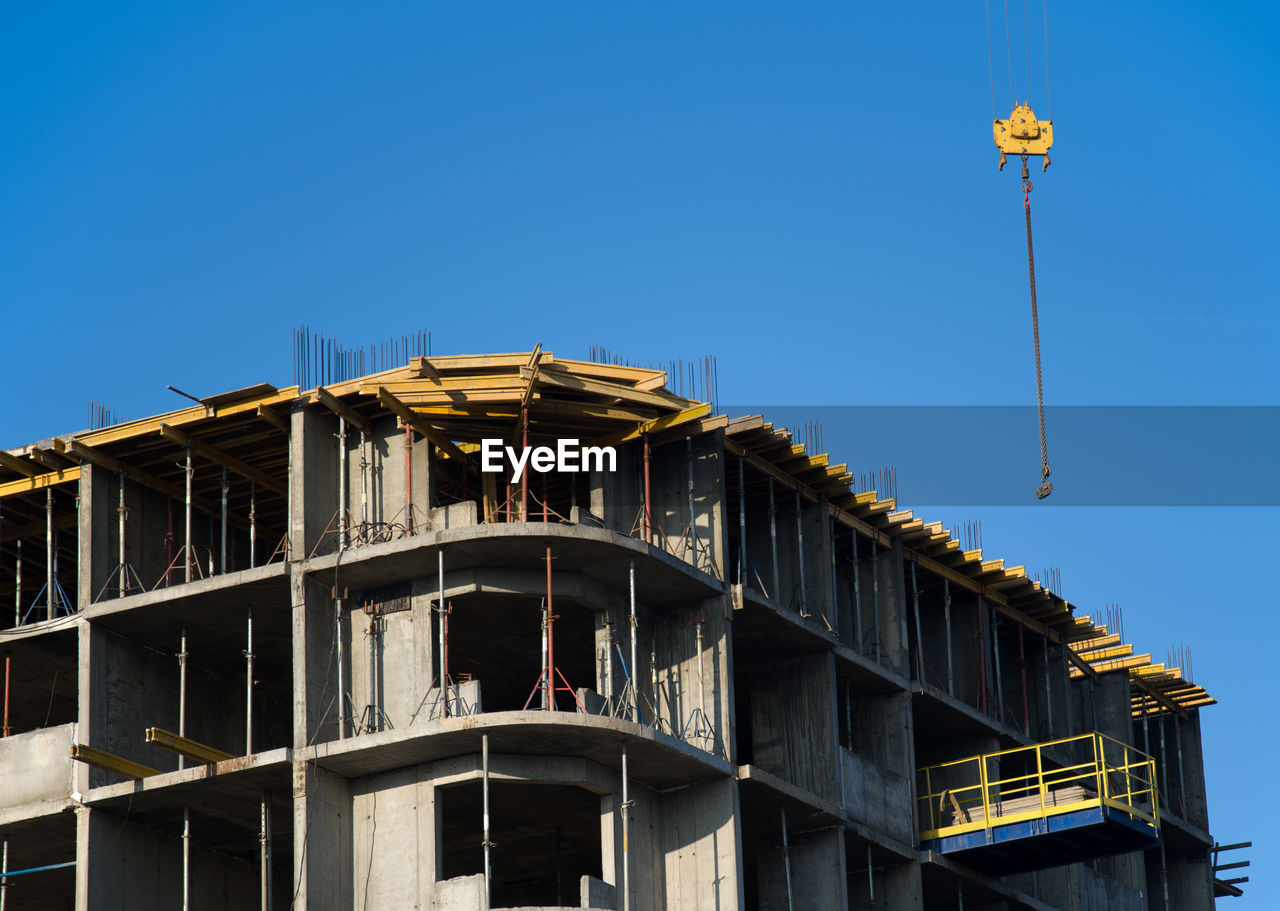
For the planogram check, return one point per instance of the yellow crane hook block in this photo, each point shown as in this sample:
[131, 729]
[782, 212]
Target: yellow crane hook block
[1023, 135]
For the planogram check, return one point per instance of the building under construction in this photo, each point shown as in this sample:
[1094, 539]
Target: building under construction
[296, 648]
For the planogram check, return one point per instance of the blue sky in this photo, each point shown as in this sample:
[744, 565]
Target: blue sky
[808, 192]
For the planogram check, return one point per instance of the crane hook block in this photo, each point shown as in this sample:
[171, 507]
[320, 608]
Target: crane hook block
[1023, 135]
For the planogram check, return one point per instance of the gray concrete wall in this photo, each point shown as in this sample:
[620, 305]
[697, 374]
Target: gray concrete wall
[392, 658]
[793, 718]
[701, 840]
[817, 871]
[35, 766]
[323, 833]
[393, 842]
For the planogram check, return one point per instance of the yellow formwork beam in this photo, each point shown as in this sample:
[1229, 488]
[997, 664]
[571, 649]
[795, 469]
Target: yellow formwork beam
[665, 422]
[111, 762]
[418, 423]
[39, 482]
[185, 746]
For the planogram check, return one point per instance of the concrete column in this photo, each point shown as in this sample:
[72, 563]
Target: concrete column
[322, 822]
[313, 478]
[702, 839]
[97, 546]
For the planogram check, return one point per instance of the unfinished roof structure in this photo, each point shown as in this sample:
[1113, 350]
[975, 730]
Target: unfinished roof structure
[298, 649]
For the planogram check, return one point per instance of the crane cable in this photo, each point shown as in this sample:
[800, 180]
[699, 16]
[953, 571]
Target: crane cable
[1046, 486]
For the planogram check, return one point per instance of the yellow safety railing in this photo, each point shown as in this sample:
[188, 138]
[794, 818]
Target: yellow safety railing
[1046, 779]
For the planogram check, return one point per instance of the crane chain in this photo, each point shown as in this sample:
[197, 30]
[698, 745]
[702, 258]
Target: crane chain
[1046, 487]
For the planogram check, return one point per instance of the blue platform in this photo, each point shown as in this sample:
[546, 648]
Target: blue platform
[1048, 841]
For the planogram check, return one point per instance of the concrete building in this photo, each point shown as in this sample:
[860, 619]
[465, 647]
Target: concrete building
[710, 675]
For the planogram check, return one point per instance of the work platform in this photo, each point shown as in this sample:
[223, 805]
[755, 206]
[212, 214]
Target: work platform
[1041, 806]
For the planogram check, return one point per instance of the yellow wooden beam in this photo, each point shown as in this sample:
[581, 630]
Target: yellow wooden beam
[214, 454]
[341, 409]
[111, 762]
[274, 418]
[39, 482]
[555, 376]
[20, 465]
[186, 416]
[185, 746]
[418, 423]
[665, 422]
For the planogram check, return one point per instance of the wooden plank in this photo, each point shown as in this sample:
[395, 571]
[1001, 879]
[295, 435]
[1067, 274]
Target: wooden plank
[436, 436]
[341, 409]
[554, 376]
[186, 416]
[185, 746]
[665, 422]
[274, 418]
[39, 482]
[21, 466]
[111, 762]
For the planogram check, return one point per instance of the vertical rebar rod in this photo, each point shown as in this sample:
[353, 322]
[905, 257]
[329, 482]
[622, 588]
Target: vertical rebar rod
[871, 879]
[773, 541]
[440, 606]
[626, 821]
[120, 514]
[342, 484]
[635, 630]
[248, 689]
[222, 549]
[186, 858]
[49, 565]
[786, 859]
[946, 611]
[182, 691]
[264, 850]
[187, 556]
